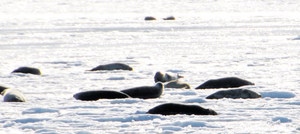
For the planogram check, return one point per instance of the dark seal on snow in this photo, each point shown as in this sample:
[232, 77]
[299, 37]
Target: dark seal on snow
[145, 92]
[2, 89]
[27, 70]
[234, 94]
[99, 94]
[149, 18]
[160, 77]
[228, 82]
[13, 95]
[170, 18]
[174, 108]
[112, 66]
[177, 84]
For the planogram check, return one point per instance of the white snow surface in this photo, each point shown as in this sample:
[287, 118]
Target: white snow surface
[254, 40]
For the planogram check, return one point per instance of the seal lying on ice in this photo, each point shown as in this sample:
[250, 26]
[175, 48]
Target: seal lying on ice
[99, 94]
[2, 88]
[177, 84]
[145, 92]
[174, 108]
[234, 94]
[112, 66]
[227, 82]
[13, 95]
[169, 18]
[149, 18]
[160, 77]
[27, 70]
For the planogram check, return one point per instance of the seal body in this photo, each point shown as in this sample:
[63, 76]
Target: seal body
[27, 70]
[160, 77]
[149, 18]
[112, 66]
[177, 84]
[13, 95]
[234, 94]
[145, 92]
[174, 108]
[2, 88]
[170, 18]
[99, 94]
[227, 82]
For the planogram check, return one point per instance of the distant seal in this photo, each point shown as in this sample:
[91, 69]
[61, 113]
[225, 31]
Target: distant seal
[149, 18]
[227, 82]
[99, 94]
[174, 108]
[145, 92]
[2, 88]
[27, 70]
[177, 84]
[160, 77]
[170, 18]
[13, 95]
[112, 66]
[234, 94]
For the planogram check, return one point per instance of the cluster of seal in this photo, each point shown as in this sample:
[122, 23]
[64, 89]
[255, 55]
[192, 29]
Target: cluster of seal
[149, 18]
[172, 81]
[143, 92]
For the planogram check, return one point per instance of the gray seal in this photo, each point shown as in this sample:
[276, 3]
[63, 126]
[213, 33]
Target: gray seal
[160, 77]
[227, 82]
[170, 18]
[99, 94]
[27, 70]
[112, 66]
[234, 94]
[145, 92]
[149, 18]
[2, 88]
[177, 84]
[13, 95]
[175, 108]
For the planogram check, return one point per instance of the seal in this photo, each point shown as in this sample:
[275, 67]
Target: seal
[99, 94]
[170, 18]
[160, 77]
[149, 18]
[175, 108]
[177, 84]
[145, 92]
[227, 82]
[27, 70]
[234, 94]
[13, 95]
[112, 66]
[2, 89]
